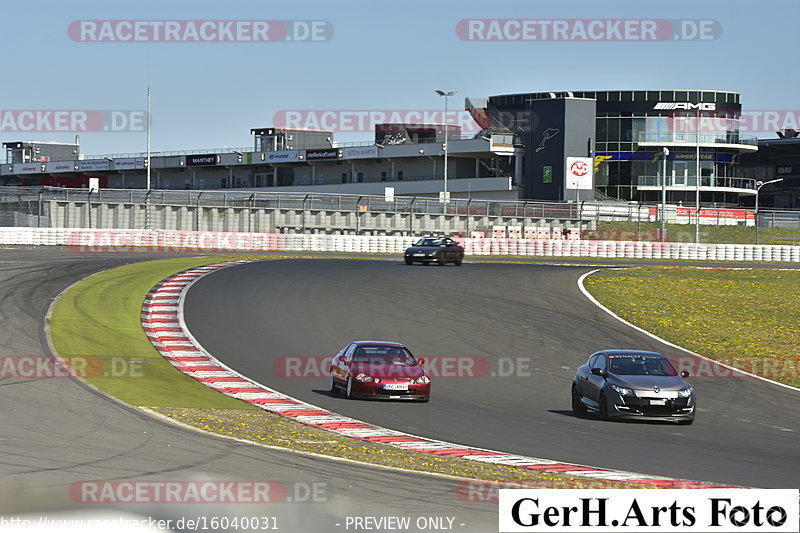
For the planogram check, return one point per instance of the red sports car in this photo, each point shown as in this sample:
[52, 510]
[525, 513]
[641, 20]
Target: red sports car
[378, 369]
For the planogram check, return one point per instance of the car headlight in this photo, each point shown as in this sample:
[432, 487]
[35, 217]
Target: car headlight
[423, 380]
[363, 378]
[622, 390]
[685, 392]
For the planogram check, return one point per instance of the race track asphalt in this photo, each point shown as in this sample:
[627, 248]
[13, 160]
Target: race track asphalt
[56, 432]
[534, 326]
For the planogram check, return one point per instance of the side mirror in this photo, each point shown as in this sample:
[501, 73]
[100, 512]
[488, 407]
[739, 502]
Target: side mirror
[421, 361]
[345, 361]
[598, 372]
[685, 374]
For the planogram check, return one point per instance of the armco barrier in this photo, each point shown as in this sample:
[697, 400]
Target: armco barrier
[99, 240]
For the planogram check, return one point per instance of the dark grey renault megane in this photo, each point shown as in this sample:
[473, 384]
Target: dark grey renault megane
[633, 384]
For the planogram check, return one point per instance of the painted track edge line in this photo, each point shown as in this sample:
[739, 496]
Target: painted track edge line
[426, 445]
[596, 302]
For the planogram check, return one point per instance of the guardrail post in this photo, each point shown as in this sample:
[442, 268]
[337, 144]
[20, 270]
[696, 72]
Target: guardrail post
[469, 216]
[358, 204]
[89, 207]
[250, 213]
[411, 217]
[638, 221]
[197, 213]
[303, 215]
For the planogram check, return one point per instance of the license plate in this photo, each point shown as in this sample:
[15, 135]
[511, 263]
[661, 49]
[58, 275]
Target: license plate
[419, 255]
[658, 402]
[395, 386]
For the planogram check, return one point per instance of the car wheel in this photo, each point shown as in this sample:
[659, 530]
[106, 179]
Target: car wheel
[577, 405]
[458, 263]
[409, 261]
[441, 260]
[603, 407]
[332, 388]
[349, 392]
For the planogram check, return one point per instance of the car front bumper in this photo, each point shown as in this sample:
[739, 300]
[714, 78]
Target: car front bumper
[641, 408]
[376, 392]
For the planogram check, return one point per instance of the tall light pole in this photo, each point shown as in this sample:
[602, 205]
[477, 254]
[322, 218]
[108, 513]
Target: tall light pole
[664, 197]
[147, 171]
[760, 184]
[148, 138]
[697, 183]
[446, 95]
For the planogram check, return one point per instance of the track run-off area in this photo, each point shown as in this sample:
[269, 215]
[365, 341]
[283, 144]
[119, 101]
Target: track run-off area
[505, 340]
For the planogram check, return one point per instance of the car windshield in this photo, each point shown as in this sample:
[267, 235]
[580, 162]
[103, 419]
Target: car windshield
[640, 365]
[430, 241]
[384, 355]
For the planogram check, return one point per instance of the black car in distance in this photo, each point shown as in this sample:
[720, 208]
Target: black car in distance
[440, 250]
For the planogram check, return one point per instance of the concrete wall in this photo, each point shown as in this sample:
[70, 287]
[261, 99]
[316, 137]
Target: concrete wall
[119, 215]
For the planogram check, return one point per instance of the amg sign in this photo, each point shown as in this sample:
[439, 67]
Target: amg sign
[685, 105]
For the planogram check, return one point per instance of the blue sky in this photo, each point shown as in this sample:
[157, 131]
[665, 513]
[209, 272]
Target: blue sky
[384, 55]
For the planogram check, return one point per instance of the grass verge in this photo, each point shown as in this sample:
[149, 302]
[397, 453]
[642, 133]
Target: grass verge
[650, 231]
[749, 319]
[95, 326]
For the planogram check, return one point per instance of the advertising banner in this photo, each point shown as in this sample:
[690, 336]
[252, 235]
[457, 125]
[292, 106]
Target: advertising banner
[360, 152]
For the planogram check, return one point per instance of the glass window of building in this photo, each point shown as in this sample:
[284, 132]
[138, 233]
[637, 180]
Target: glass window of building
[602, 130]
[612, 131]
[626, 129]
